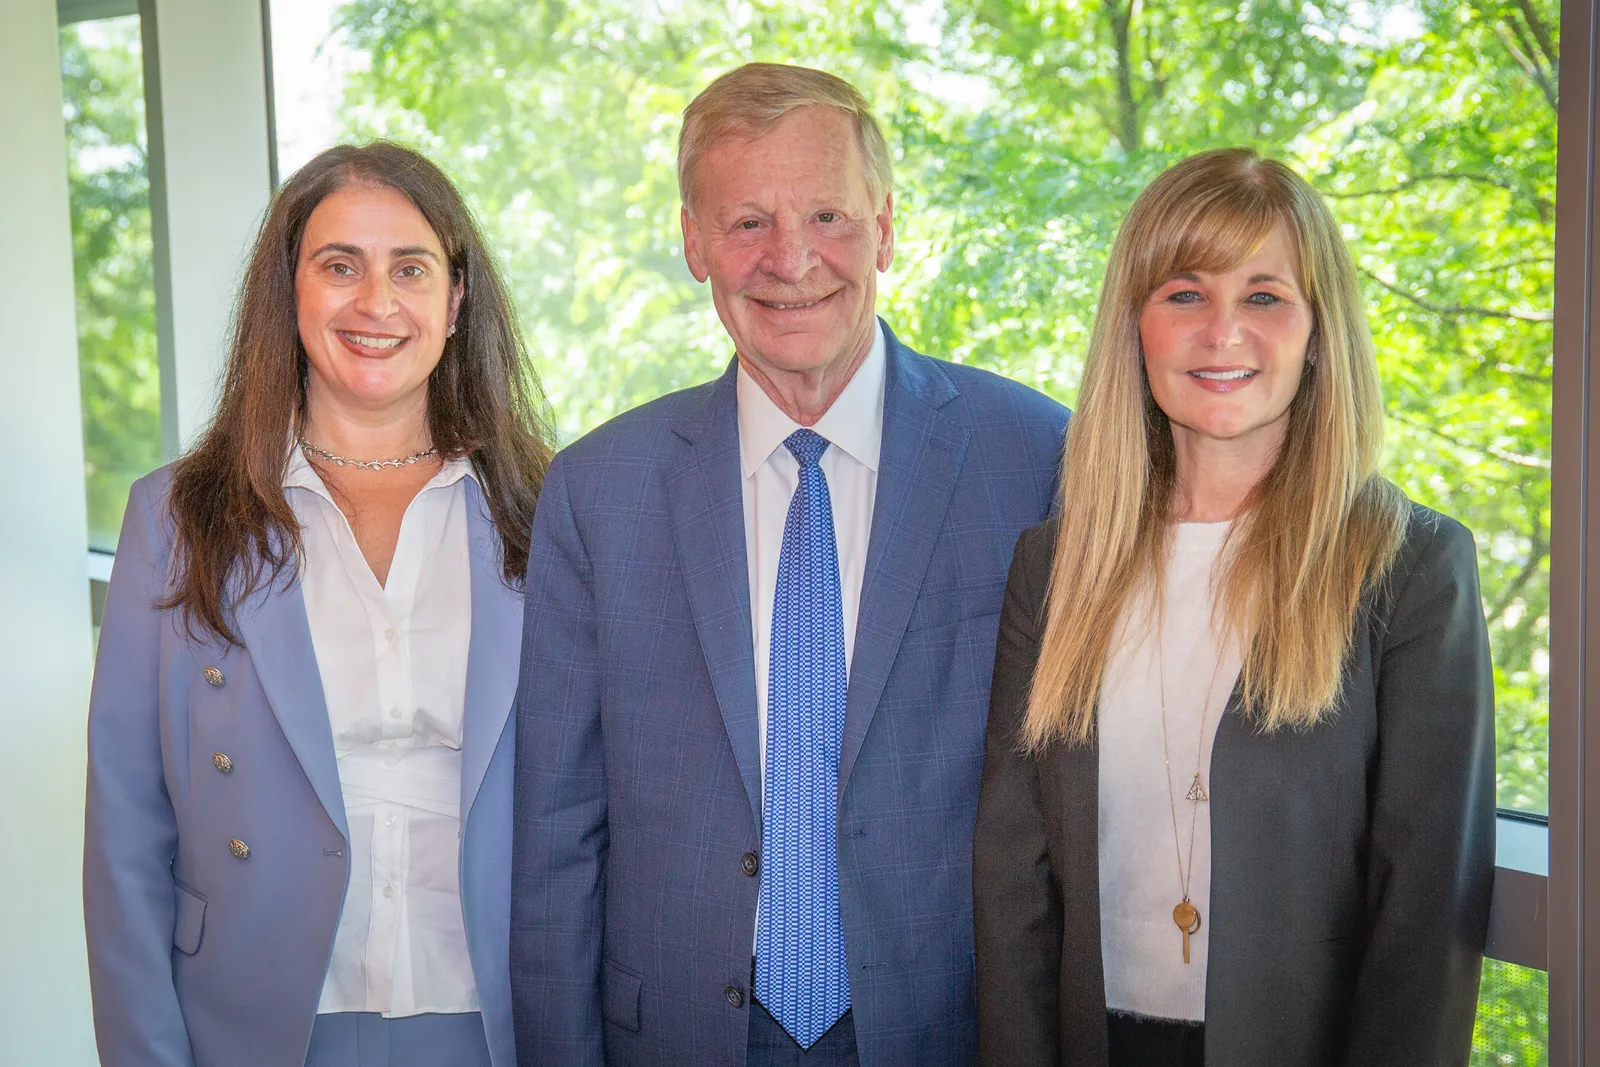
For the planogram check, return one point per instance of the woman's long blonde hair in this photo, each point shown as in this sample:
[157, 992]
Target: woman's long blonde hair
[1319, 527]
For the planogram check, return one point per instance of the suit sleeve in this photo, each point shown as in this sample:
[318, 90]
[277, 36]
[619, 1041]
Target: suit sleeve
[560, 834]
[130, 829]
[1016, 907]
[1431, 859]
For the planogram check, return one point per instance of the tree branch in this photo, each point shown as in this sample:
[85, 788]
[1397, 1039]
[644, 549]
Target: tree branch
[1540, 33]
[1513, 458]
[1457, 310]
[1508, 32]
[1127, 108]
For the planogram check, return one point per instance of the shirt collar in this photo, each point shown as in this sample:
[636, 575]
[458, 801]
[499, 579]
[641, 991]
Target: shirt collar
[302, 475]
[854, 423]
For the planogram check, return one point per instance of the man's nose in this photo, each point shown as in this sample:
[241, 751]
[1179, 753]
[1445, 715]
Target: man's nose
[789, 256]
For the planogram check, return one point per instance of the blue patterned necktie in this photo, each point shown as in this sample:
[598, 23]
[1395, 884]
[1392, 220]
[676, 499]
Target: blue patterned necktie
[800, 966]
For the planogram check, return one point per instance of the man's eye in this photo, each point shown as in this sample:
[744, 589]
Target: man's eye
[749, 224]
[828, 216]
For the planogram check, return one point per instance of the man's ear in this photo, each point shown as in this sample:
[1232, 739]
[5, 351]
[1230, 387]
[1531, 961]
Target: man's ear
[693, 254]
[885, 224]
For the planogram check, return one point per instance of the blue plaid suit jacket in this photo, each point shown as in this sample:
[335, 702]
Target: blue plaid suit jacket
[638, 783]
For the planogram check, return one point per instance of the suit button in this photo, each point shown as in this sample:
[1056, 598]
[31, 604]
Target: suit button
[222, 763]
[735, 996]
[750, 864]
[239, 849]
[214, 677]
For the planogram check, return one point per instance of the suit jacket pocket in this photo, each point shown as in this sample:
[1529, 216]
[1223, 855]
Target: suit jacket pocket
[620, 992]
[191, 920]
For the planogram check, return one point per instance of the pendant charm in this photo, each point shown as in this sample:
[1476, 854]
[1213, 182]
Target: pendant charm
[1197, 792]
[1187, 916]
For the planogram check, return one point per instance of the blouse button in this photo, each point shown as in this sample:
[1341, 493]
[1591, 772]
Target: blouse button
[214, 677]
[222, 763]
[239, 849]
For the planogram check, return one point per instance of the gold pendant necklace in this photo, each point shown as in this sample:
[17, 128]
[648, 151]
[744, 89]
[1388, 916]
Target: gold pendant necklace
[1185, 915]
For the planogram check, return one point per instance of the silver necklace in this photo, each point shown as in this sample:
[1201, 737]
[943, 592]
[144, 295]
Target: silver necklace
[364, 464]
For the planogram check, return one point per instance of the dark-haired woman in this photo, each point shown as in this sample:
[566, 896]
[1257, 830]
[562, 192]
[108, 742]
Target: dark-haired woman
[1238, 800]
[299, 802]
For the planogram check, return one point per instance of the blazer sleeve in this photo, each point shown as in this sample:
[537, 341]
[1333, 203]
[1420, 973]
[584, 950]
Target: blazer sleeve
[560, 834]
[130, 829]
[1431, 851]
[1016, 905]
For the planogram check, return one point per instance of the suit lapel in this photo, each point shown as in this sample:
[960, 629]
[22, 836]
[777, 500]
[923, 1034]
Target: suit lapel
[493, 650]
[277, 635]
[923, 449]
[707, 503]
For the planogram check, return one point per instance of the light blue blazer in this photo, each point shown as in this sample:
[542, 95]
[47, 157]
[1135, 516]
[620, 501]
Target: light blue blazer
[198, 957]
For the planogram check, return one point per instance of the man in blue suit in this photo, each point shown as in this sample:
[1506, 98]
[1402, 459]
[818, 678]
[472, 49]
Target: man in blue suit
[759, 632]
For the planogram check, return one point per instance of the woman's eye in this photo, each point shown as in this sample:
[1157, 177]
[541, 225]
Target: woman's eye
[341, 269]
[1265, 299]
[1183, 296]
[410, 270]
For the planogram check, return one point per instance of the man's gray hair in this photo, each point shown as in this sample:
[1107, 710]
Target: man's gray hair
[749, 101]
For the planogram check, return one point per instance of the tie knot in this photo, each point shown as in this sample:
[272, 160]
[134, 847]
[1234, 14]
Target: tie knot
[807, 447]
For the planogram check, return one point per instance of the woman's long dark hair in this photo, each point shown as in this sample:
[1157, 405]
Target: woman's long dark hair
[235, 531]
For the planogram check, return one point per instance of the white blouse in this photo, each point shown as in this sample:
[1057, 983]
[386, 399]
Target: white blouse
[1140, 880]
[393, 662]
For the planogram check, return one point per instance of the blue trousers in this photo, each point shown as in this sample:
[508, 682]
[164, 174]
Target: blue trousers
[366, 1039]
[771, 1046]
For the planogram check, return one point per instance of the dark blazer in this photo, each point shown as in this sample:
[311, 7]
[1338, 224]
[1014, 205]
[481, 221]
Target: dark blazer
[1351, 863]
[638, 789]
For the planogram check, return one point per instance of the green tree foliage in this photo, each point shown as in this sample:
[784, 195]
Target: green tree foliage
[112, 261]
[1022, 130]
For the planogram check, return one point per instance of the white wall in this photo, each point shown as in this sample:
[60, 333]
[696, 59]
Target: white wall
[44, 624]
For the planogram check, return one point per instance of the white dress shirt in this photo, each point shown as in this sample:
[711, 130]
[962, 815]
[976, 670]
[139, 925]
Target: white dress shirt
[853, 427]
[393, 663]
[1140, 881]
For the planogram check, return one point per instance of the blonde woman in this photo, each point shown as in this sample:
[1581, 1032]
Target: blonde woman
[1238, 803]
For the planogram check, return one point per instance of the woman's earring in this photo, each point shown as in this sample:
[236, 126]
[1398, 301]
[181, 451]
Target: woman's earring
[451, 332]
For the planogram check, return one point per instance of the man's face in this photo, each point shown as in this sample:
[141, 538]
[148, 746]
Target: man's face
[786, 229]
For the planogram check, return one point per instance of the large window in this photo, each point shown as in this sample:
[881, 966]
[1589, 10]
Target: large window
[103, 88]
[1022, 129]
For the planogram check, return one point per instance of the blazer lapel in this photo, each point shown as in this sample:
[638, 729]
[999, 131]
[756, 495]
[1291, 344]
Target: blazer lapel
[707, 505]
[493, 650]
[277, 635]
[923, 449]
